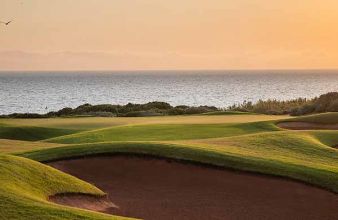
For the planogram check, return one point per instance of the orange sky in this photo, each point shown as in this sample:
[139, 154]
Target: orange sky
[175, 34]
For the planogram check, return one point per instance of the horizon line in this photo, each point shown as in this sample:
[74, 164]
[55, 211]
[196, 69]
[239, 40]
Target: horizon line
[173, 70]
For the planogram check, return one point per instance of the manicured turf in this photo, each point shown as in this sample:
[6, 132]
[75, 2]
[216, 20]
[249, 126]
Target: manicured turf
[329, 138]
[90, 123]
[324, 118]
[229, 113]
[29, 133]
[164, 132]
[7, 145]
[244, 142]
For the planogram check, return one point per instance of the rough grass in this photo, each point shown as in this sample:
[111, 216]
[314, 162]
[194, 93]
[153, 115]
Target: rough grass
[323, 118]
[26, 184]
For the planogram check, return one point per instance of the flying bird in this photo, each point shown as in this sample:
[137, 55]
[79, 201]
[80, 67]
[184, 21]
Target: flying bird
[5, 23]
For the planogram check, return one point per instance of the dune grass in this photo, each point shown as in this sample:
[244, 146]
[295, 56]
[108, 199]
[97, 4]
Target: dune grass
[26, 184]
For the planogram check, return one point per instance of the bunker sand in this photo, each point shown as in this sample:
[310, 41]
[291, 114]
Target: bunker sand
[162, 189]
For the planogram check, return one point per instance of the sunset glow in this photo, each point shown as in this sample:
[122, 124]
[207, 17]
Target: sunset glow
[156, 34]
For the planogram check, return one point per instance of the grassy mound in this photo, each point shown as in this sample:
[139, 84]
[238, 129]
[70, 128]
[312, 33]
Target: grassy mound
[298, 156]
[329, 138]
[25, 186]
[7, 146]
[91, 123]
[29, 133]
[164, 132]
[324, 118]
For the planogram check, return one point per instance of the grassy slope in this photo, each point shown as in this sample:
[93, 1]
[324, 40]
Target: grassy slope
[164, 132]
[296, 155]
[329, 138]
[30, 133]
[26, 184]
[22, 134]
[324, 118]
[7, 145]
[90, 123]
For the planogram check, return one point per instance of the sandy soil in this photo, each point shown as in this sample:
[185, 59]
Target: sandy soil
[94, 203]
[307, 126]
[159, 189]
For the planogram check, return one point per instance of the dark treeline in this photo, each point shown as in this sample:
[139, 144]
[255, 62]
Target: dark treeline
[129, 110]
[324, 103]
[301, 106]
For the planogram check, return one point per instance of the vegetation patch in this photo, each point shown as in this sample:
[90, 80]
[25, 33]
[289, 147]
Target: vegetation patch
[325, 103]
[323, 118]
[164, 132]
[129, 110]
[301, 106]
[29, 133]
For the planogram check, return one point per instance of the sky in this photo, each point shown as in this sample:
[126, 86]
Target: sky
[175, 34]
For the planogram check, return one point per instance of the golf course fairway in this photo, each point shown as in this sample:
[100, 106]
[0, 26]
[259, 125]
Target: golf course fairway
[228, 166]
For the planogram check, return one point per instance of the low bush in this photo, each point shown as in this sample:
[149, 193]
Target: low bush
[301, 106]
[128, 110]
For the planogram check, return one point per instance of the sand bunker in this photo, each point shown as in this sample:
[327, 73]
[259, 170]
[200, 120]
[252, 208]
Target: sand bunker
[307, 126]
[94, 203]
[159, 189]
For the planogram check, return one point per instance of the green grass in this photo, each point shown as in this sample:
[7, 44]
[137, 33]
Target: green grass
[29, 133]
[239, 141]
[323, 118]
[164, 132]
[229, 113]
[7, 146]
[26, 184]
[92, 123]
[329, 138]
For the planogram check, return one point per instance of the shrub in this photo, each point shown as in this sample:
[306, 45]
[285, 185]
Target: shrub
[141, 114]
[324, 103]
[64, 112]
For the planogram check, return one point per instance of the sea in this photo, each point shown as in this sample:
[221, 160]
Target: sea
[41, 92]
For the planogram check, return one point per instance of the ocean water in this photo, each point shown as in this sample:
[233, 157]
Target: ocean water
[40, 92]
